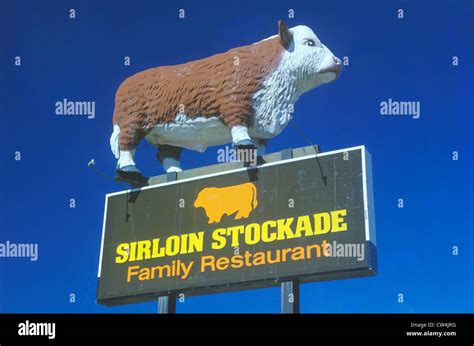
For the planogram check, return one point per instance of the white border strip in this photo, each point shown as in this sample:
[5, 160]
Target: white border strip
[103, 236]
[364, 191]
[368, 189]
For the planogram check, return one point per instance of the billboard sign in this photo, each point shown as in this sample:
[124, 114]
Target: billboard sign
[308, 217]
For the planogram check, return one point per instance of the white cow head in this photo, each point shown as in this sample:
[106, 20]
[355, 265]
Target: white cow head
[310, 62]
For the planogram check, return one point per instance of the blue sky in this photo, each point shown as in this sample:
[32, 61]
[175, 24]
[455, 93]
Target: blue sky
[406, 59]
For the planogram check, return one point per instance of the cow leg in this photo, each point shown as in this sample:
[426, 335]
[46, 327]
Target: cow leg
[246, 149]
[236, 113]
[169, 157]
[129, 140]
[125, 162]
[241, 138]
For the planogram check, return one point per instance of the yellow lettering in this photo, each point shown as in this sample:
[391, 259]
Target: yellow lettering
[144, 274]
[222, 263]
[122, 252]
[265, 236]
[183, 247]
[172, 245]
[133, 251]
[284, 229]
[322, 223]
[298, 254]
[235, 231]
[131, 272]
[160, 269]
[196, 241]
[208, 261]
[157, 250]
[252, 230]
[237, 261]
[143, 250]
[303, 225]
[258, 259]
[219, 240]
[338, 224]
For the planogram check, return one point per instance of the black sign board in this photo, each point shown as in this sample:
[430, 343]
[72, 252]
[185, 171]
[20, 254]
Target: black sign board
[307, 217]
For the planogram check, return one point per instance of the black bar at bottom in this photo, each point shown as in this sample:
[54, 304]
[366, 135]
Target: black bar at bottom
[219, 329]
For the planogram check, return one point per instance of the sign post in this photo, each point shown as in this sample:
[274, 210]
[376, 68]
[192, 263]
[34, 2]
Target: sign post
[290, 297]
[290, 290]
[167, 304]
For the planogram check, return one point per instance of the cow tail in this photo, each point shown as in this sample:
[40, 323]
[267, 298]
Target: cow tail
[254, 197]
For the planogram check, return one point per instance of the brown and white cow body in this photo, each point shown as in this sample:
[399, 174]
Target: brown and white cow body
[244, 95]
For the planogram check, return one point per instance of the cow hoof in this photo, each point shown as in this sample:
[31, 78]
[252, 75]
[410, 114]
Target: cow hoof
[173, 170]
[129, 168]
[134, 178]
[244, 144]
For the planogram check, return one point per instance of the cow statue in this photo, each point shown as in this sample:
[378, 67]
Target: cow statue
[244, 96]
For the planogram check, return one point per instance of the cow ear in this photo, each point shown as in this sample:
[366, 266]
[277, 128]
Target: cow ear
[284, 33]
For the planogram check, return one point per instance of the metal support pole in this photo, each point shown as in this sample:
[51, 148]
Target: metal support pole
[290, 290]
[167, 304]
[290, 297]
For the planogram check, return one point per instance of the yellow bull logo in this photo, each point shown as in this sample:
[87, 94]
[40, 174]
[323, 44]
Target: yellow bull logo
[219, 201]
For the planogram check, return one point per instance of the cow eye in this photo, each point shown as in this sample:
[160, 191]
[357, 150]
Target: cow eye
[310, 43]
